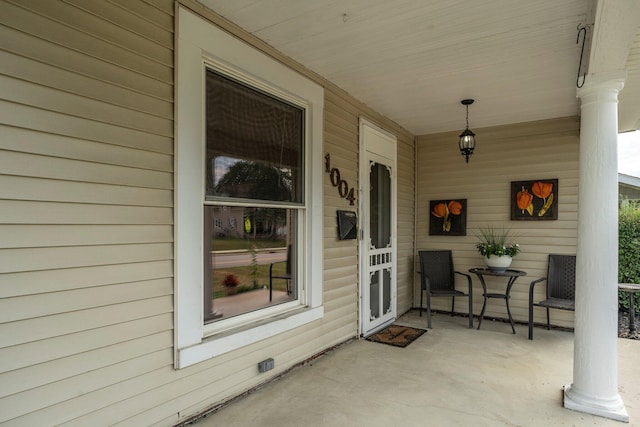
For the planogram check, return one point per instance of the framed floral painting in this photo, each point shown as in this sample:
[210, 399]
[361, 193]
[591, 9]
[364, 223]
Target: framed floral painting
[448, 217]
[534, 200]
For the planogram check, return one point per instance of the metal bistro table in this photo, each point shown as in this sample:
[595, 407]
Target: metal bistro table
[630, 288]
[512, 275]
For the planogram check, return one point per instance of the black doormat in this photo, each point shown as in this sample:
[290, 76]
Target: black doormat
[397, 335]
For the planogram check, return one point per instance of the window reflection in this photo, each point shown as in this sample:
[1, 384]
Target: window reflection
[380, 206]
[254, 143]
[249, 260]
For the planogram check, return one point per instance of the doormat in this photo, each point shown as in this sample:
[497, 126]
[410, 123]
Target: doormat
[396, 335]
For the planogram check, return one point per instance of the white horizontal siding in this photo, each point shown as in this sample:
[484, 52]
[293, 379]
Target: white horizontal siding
[73, 36]
[60, 146]
[30, 259]
[39, 49]
[90, 88]
[406, 221]
[19, 380]
[528, 151]
[79, 106]
[28, 236]
[43, 281]
[341, 256]
[20, 115]
[137, 22]
[66, 305]
[341, 142]
[80, 192]
[107, 386]
[86, 219]
[19, 212]
[31, 353]
[86, 204]
[105, 30]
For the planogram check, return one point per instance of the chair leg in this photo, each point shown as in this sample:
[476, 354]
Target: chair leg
[453, 304]
[428, 310]
[470, 311]
[270, 283]
[548, 321]
[530, 320]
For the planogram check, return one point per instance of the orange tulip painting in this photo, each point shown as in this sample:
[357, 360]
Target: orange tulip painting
[455, 207]
[448, 217]
[542, 189]
[533, 200]
[524, 199]
[440, 210]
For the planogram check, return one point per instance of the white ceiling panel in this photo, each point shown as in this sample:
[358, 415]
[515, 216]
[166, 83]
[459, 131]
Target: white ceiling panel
[414, 60]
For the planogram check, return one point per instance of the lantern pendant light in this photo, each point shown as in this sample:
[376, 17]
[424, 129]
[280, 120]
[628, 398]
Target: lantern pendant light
[467, 138]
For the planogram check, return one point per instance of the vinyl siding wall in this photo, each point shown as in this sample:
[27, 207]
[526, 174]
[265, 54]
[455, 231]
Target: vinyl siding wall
[342, 115]
[86, 221]
[535, 150]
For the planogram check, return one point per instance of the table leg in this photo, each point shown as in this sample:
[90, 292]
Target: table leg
[506, 298]
[484, 304]
[632, 313]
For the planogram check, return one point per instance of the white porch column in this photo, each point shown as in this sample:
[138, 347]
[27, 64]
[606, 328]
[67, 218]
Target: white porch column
[595, 361]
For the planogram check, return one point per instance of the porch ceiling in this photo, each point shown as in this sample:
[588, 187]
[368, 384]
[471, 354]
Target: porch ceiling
[414, 60]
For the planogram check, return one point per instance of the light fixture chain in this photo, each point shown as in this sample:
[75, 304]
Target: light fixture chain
[467, 116]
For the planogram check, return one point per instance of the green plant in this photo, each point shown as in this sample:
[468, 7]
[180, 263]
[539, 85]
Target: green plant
[628, 250]
[254, 266]
[494, 241]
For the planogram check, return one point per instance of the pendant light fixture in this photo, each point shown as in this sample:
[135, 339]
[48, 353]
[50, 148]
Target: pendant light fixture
[467, 138]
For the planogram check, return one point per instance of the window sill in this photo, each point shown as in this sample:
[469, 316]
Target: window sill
[235, 339]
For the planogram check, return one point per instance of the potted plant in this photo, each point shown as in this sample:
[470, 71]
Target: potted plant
[230, 283]
[496, 248]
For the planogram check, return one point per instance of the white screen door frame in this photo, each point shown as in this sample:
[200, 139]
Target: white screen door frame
[378, 224]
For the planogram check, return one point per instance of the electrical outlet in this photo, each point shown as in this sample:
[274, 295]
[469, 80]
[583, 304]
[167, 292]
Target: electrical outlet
[266, 365]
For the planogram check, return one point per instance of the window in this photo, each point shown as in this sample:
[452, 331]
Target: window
[248, 182]
[254, 176]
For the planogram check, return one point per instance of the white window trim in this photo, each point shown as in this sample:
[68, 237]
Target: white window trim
[198, 41]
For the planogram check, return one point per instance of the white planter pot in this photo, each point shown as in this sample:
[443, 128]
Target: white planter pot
[498, 263]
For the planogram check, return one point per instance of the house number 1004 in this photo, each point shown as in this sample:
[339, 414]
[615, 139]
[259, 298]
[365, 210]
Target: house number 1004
[334, 174]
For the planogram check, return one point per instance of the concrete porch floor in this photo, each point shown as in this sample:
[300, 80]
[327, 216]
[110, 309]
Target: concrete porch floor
[450, 376]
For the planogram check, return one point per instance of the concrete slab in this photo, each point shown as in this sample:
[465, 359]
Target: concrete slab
[450, 376]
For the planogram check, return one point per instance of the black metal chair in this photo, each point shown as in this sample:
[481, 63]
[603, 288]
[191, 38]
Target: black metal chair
[437, 279]
[560, 287]
[286, 276]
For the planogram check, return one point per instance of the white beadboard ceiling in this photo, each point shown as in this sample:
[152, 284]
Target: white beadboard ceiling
[414, 60]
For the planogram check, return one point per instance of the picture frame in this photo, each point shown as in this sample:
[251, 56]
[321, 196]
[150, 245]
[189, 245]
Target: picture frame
[448, 217]
[534, 200]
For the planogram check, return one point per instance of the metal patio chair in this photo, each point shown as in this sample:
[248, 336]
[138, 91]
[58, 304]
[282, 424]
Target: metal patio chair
[437, 279]
[285, 276]
[560, 287]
